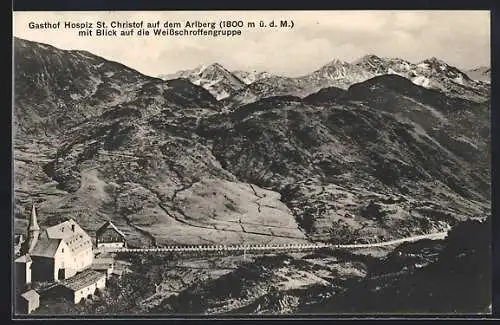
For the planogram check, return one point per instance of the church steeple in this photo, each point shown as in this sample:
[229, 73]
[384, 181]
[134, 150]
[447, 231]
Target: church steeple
[33, 225]
[33, 230]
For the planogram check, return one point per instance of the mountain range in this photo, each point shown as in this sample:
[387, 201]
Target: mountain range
[480, 73]
[240, 87]
[165, 161]
[351, 153]
[215, 78]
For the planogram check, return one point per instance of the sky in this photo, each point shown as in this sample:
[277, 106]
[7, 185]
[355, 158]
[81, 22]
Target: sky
[461, 38]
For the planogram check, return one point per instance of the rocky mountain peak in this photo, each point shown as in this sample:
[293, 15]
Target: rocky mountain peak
[216, 72]
[482, 73]
[336, 63]
[214, 67]
[215, 78]
[369, 58]
[432, 73]
[249, 77]
[435, 61]
[439, 66]
[217, 65]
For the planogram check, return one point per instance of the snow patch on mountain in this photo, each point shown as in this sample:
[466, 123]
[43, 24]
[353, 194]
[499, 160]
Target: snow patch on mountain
[251, 77]
[421, 81]
[241, 87]
[391, 71]
[220, 82]
[431, 73]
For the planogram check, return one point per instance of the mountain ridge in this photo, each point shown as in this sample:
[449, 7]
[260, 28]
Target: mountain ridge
[162, 158]
[86, 87]
[382, 159]
[220, 82]
[431, 73]
[482, 73]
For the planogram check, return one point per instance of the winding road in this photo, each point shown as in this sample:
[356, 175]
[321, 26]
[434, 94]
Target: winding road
[271, 248]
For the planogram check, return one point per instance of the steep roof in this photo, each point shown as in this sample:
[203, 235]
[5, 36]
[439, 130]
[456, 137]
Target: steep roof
[109, 225]
[68, 232]
[30, 295]
[46, 247]
[64, 230]
[104, 260]
[72, 234]
[23, 259]
[83, 279]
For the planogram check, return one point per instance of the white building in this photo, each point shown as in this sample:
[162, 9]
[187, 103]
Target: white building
[59, 252]
[23, 271]
[83, 285]
[28, 302]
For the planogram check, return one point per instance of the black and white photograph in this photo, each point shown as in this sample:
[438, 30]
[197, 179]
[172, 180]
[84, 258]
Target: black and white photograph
[216, 163]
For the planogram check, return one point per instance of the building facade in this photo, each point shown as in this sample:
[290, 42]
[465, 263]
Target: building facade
[59, 252]
[109, 236]
[83, 285]
[104, 264]
[28, 302]
[23, 268]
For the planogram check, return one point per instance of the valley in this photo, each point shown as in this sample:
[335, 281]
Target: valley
[365, 152]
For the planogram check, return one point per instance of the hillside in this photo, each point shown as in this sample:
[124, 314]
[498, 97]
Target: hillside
[417, 278]
[425, 288]
[451, 276]
[362, 161]
[384, 159]
[134, 159]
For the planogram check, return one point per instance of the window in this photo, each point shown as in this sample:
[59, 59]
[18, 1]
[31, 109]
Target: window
[62, 250]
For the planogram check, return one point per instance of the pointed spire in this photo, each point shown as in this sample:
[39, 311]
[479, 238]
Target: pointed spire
[33, 225]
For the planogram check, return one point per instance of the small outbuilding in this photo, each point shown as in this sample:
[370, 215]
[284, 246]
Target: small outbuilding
[117, 273]
[104, 264]
[109, 236]
[82, 285]
[28, 302]
[22, 267]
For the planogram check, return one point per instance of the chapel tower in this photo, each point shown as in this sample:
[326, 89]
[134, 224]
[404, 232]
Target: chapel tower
[33, 230]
